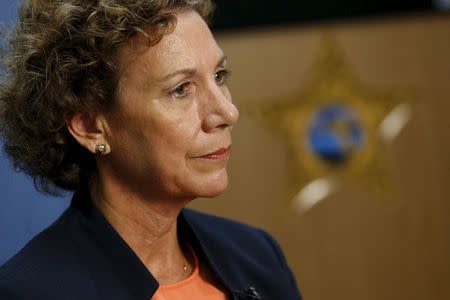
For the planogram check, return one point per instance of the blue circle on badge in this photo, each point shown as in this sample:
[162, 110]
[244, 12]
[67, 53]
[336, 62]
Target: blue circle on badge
[334, 133]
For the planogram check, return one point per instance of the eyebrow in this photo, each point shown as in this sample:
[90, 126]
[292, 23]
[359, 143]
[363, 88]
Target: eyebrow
[222, 61]
[191, 71]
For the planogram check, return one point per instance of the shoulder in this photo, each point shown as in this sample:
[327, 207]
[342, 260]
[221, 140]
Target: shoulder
[225, 229]
[243, 254]
[44, 247]
[233, 234]
[216, 222]
[40, 265]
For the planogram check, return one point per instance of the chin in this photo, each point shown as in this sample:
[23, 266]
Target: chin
[214, 187]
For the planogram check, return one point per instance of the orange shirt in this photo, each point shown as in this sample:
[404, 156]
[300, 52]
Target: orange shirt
[194, 287]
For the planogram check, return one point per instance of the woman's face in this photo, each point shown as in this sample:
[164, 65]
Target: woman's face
[170, 130]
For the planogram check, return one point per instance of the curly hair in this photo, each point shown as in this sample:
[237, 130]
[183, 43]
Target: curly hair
[58, 61]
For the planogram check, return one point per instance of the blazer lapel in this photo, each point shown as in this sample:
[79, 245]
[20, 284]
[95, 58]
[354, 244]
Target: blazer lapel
[217, 256]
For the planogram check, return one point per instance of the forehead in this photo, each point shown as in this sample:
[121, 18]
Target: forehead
[190, 45]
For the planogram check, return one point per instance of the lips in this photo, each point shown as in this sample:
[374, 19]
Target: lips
[222, 153]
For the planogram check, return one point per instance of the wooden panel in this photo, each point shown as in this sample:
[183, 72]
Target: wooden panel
[352, 245]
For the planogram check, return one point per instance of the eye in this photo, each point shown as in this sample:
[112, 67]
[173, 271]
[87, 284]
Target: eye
[181, 91]
[222, 76]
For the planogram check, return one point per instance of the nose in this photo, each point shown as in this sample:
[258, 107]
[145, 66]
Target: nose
[220, 111]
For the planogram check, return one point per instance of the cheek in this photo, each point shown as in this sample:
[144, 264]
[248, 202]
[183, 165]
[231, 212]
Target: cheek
[156, 134]
[177, 129]
[171, 144]
[165, 139]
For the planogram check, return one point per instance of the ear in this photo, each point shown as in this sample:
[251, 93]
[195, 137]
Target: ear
[89, 131]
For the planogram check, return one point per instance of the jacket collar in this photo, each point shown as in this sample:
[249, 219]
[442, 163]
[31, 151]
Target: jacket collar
[111, 252]
[111, 255]
[211, 242]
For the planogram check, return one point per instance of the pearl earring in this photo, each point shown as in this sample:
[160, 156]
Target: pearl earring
[100, 149]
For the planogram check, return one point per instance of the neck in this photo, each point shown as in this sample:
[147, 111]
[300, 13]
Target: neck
[148, 226]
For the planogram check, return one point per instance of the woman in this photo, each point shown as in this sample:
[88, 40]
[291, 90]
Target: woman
[126, 103]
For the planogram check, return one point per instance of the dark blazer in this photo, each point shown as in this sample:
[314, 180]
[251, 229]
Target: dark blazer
[81, 256]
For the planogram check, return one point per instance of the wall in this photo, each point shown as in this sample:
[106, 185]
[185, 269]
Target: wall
[354, 244]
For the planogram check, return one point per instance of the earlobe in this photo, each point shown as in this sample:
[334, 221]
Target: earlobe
[89, 132]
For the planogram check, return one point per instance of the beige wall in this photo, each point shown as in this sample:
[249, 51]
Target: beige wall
[350, 246]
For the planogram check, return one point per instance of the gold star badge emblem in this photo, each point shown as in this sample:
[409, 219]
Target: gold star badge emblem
[334, 128]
